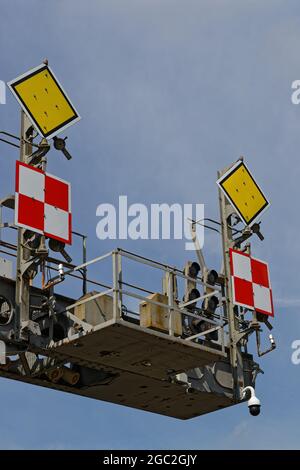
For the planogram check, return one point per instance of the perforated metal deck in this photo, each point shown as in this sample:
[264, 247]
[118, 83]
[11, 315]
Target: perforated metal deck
[129, 347]
[140, 392]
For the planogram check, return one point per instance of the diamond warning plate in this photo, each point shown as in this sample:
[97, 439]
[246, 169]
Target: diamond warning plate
[243, 193]
[44, 101]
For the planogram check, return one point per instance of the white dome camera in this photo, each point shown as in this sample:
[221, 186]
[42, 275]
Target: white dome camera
[253, 402]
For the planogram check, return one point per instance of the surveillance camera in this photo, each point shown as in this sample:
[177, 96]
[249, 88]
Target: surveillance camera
[254, 406]
[253, 402]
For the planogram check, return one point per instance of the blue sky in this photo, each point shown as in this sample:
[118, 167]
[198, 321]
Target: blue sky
[169, 91]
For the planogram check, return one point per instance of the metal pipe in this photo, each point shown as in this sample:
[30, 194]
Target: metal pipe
[171, 302]
[88, 299]
[258, 344]
[202, 297]
[115, 285]
[199, 252]
[84, 270]
[203, 333]
[166, 306]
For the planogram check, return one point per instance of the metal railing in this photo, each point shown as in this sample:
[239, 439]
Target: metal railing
[119, 289]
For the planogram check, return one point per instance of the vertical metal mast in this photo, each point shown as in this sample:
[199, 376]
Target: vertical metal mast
[23, 254]
[236, 361]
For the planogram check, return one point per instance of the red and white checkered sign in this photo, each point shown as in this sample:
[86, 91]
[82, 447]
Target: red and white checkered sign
[251, 283]
[43, 203]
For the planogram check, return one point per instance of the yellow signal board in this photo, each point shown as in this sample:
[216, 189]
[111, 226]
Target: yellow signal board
[243, 192]
[44, 101]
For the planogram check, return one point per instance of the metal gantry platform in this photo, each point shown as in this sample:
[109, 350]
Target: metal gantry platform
[166, 370]
[177, 347]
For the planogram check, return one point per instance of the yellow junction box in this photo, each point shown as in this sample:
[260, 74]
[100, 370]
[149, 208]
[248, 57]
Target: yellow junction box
[95, 311]
[157, 317]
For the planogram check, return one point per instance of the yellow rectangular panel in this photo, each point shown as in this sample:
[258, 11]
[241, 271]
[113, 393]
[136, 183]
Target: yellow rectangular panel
[156, 317]
[44, 101]
[243, 192]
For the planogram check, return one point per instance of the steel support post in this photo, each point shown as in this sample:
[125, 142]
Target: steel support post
[171, 281]
[235, 348]
[117, 283]
[84, 260]
[23, 254]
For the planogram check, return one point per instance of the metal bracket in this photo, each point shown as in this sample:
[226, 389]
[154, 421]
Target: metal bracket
[85, 326]
[2, 353]
[239, 336]
[8, 201]
[43, 149]
[31, 326]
